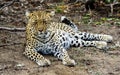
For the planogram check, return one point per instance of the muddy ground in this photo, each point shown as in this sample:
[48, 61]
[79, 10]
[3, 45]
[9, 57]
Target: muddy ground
[90, 61]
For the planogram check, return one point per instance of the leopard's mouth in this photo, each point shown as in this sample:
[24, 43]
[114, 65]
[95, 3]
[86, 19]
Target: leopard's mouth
[43, 34]
[44, 38]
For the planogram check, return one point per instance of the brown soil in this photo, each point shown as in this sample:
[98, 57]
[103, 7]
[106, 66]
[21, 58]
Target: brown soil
[90, 61]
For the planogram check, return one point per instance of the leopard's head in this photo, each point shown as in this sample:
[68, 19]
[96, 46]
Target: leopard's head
[38, 21]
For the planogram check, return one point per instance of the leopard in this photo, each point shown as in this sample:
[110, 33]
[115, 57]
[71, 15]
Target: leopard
[45, 36]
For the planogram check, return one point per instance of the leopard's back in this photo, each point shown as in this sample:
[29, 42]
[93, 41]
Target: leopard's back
[61, 27]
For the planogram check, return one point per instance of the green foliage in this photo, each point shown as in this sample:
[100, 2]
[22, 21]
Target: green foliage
[58, 10]
[60, 7]
[98, 23]
[86, 18]
[97, 73]
[109, 1]
[101, 21]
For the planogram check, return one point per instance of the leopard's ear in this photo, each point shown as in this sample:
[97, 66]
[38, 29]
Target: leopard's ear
[27, 13]
[52, 13]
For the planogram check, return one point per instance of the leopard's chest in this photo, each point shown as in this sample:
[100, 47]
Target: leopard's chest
[64, 39]
[45, 45]
[60, 38]
[45, 48]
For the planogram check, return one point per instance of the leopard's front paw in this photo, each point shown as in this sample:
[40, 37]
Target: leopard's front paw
[69, 62]
[43, 62]
[101, 44]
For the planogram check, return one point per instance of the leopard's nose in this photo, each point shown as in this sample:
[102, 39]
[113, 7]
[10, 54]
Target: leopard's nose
[40, 30]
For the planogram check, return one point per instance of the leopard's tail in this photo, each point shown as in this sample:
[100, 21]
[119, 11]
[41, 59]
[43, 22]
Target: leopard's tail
[69, 23]
[97, 37]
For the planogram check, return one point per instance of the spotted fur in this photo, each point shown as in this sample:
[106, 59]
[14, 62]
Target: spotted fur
[48, 37]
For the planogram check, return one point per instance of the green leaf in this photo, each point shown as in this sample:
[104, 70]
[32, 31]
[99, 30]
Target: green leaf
[117, 23]
[109, 19]
[103, 19]
[97, 23]
[109, 1]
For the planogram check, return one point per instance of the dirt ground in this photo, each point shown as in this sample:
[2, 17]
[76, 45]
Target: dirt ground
[90, 61]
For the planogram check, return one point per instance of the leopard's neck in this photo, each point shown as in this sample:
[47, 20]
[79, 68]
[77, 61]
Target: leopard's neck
[46, 38]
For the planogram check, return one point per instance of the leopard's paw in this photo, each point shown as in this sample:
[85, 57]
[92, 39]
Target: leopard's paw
[101, 44]
[69, 62]
[107, 38]
[43, 62]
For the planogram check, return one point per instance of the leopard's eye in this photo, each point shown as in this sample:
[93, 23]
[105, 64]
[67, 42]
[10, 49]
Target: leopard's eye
[44, 21]
[35, 22]
[32, 14]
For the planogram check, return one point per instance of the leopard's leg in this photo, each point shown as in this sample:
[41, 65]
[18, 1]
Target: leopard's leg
[62, 54]
[97, 37]
[87, 36]
[83, 43]
[32, 54]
